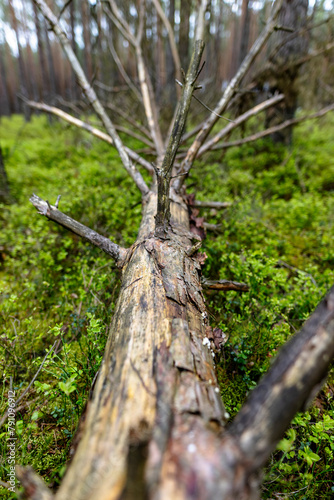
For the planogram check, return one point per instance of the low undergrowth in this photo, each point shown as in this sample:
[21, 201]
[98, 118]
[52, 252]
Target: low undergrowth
[58, 293]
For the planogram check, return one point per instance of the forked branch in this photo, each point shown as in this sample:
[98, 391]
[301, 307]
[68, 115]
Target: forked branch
[52, 213]
[146, 88]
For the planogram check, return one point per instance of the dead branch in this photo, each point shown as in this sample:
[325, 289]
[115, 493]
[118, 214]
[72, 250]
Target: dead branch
[34, 487]
[269, 131]
[212, 204]
[36, 374]
[129, 119]
[227, 96]
[215, 228]
[120, 23]
[89, 128]
[290, 386]
[241, 119]
[224, 285]
[309, 56]
[165, 172]
[200, 21]
[17, 409]
[52, 213]
[271, 68]
[281, 263]
[91, 95]
[130, 133]
[297, 33]
[112, 90]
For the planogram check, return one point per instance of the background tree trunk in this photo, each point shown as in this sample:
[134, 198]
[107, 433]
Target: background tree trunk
[44, 88]
[22, 74]
[284, 78]
[244, 31]
[4, 98]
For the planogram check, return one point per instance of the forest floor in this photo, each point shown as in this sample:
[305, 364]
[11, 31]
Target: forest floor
[56, 290]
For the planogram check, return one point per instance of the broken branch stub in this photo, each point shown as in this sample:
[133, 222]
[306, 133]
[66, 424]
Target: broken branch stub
[165, 172]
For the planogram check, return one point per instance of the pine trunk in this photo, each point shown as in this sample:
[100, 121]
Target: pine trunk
[284, 79]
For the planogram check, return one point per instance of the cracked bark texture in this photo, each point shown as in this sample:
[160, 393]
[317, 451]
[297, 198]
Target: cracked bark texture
[153, 421]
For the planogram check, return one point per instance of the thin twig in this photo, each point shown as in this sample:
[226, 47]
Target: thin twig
[92, 130]
[5, 415]
[115, 251]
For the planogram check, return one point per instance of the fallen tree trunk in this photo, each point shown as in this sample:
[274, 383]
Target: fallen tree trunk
[156, 403]
[155, 423]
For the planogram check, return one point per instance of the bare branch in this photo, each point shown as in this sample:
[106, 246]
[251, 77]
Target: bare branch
[91, 95]
[212, 204]
[52, 213]
[140, 138]
[36, 375]
[149, 102]
[289, 386]
[224, 285]
[241, 119]
[271, 68]
[92, 130]
[215, 228]
[309, 56]
[19, 399]
[228, 94]
[116, 90]
[269, 131]
[164, 173]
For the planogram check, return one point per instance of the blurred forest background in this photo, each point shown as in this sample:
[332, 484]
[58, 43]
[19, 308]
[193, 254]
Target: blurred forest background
[277, 233]
[33, 65]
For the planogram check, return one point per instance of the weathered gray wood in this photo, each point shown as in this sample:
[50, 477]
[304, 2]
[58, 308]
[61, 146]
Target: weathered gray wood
[51, 212]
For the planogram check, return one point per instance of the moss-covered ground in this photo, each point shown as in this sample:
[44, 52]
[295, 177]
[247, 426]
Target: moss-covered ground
[56, 290]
